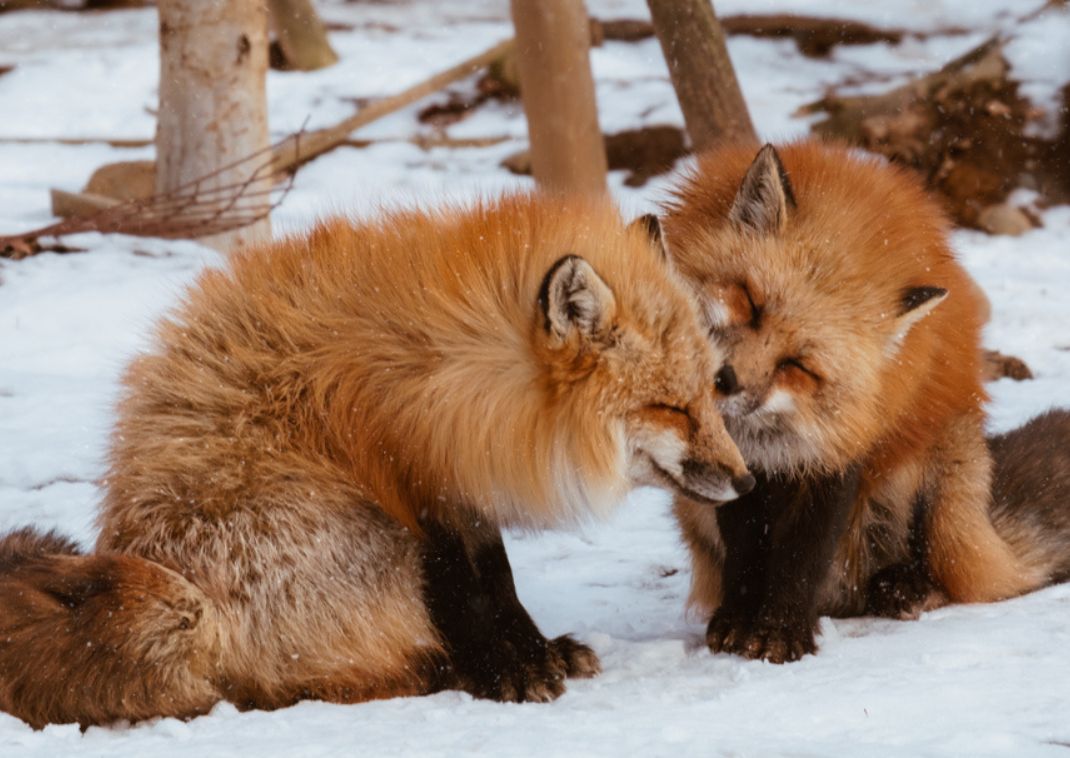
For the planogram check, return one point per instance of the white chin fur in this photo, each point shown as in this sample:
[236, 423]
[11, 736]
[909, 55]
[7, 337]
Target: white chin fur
[774, 449]
[667, 450]
[722, 494]
[736, 405]
[779, 401]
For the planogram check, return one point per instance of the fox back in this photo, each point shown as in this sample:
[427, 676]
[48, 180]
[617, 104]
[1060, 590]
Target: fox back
[416, 357]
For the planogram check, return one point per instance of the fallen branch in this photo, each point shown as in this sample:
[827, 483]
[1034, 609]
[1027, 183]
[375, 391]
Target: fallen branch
[190, 211]
[965, 129]
[111, 141]
[288, 155]
[187, 212]
[814, 35]
[79, 204]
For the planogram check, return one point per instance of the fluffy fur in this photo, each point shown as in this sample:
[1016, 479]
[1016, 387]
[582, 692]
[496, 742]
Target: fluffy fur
[331, 417]
[853, 351]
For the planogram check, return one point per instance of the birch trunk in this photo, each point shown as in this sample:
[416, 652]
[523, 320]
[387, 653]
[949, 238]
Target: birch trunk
[553, 60]
[213, 103]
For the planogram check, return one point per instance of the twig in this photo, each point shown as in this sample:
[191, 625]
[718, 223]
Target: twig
[288, 156]
[189, 211]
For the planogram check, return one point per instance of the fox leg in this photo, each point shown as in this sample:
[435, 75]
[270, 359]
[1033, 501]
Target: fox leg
[698, 524]
[905, 589]
[495, 648]
[966, 555]
[97, 638]
[779, 548]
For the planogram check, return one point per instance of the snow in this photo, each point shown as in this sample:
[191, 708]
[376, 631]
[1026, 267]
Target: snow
[1039, 56]
[980, 680]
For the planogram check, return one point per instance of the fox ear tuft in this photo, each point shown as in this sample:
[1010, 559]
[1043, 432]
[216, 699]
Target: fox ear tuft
[651, 226]
[915, 303]
[574, 298]
[765, 196]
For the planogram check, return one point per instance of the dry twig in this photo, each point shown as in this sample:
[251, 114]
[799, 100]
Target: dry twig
[189, 211]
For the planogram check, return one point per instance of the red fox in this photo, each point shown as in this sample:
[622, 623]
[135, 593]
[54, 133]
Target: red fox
[852, 385]
[309, 469]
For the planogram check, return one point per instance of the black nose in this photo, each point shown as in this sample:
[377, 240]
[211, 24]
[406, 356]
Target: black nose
[725, 381]
[743, 484]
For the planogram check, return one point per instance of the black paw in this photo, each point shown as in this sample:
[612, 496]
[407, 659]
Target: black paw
[510, 675]
[902, 591]
[776, 641]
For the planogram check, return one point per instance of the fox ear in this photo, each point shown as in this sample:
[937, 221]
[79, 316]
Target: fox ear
[765, 196]
[914, 304]
[651, 226]
[573, 298]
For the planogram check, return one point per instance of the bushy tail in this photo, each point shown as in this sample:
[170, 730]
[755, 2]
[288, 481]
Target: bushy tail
[1031, 492]
[97, 638]
[24, 545]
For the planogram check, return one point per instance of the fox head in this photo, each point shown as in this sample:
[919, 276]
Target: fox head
[823, 297]
[631, 357]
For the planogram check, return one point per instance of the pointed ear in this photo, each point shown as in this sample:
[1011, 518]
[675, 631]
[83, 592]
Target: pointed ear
[651, 226]
[914, 304]
[573, 298]
[765, 196]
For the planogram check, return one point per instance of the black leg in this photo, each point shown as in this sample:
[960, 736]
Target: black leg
[495, 648]
[903, 590]
[744, 525]
[787, 552]
[496, 576]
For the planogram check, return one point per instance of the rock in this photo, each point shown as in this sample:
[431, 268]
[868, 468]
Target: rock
[126, 180]
[1004, 218]
[999, 366]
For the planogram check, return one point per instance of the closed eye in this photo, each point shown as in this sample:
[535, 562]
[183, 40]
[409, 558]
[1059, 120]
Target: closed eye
[796, 363]
[669, 408]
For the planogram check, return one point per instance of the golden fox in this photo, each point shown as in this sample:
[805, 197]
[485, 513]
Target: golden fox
[852, 385]
[310, 467]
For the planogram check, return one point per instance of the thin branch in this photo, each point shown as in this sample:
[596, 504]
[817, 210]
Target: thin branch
[189, 211]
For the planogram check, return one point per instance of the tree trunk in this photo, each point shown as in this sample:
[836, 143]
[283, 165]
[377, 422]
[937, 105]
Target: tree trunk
[694, 47]
[302, 38]
[213, 105]
[553, 60]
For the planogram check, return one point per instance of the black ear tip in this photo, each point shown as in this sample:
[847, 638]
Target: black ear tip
[918, 296]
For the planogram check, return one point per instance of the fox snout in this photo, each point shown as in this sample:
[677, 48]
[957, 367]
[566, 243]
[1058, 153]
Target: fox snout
[711, 468]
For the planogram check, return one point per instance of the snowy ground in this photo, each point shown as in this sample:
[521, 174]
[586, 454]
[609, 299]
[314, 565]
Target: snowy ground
[987, 680]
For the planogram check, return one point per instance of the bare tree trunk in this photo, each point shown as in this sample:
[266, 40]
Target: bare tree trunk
[553, 59]
[213, 104]
[694, 47]
[301, 35]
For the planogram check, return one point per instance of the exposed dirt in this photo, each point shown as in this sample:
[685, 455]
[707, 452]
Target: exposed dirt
[814, 36]
[643, 152]
[965, 128]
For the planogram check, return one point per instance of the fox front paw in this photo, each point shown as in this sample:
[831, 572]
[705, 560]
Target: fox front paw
[579, 661]
[902, 591]
[510, 676]
[776, 641]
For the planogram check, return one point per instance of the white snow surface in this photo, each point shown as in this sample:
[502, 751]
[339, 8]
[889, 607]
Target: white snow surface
[1039, 56]
[966, 680]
